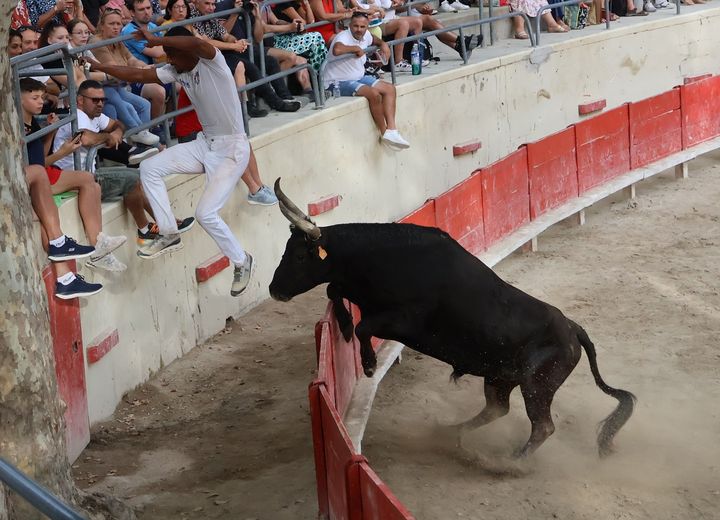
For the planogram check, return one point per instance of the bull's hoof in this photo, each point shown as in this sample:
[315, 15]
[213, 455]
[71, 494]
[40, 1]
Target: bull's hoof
[369, 371]
[347, 332]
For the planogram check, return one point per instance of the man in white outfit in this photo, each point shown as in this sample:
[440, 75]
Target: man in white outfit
[221, 151]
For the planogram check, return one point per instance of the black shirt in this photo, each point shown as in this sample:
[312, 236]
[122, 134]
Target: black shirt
[92, 10]
[35, 149]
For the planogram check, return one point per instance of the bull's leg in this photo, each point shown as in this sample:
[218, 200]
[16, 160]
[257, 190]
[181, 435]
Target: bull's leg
[537, 404]
[341, 313]
[497, 404]
[367, 354]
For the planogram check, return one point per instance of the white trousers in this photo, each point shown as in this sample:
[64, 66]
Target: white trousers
[223, 160]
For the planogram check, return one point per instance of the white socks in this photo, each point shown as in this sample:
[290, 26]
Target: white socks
[59, 241]
[67, 278]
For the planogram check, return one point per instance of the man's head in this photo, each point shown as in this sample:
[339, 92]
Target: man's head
[30, 38]
[205, 6]
[358, 25]
[182, 61]
[14, 43]
[32, 95]
[141, 10]
[91, 98]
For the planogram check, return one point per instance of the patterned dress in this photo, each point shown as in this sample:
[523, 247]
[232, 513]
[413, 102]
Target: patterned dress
[309, 45]
[529, 7]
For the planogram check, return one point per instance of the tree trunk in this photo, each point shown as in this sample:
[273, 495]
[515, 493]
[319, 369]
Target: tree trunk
[32, 429]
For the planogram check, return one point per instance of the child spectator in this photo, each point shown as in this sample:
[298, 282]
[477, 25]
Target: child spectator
[31, 94]
[348, 72]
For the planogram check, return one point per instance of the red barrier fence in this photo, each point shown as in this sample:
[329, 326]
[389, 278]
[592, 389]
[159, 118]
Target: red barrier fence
[492, 203]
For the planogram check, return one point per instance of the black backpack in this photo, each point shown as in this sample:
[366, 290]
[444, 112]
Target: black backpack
[425, 47]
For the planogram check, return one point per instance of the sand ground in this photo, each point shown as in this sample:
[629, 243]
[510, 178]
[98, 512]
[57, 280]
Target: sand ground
[225, 433]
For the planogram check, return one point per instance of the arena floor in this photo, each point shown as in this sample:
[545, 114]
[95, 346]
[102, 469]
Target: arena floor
[224, 432]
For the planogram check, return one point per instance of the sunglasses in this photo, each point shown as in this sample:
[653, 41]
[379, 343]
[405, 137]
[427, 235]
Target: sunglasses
[95, 100]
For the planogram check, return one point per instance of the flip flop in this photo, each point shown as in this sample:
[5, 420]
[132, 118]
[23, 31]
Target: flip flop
[522, 35]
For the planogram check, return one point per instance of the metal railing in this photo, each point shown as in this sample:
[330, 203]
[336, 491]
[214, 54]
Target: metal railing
[36, 495]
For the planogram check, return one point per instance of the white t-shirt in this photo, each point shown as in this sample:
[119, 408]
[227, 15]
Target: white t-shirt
[346, 67]
[64, 133]
[211, 89]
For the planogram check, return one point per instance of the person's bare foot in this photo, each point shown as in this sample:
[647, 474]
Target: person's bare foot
[558, 29]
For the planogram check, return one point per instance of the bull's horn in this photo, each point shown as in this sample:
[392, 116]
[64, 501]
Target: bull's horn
[294, 215]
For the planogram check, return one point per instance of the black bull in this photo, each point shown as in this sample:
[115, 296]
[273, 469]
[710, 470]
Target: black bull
[418, 286]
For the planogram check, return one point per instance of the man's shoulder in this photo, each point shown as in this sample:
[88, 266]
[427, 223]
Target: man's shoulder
[129, 28]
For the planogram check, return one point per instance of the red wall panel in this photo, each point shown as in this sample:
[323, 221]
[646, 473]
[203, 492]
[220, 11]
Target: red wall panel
[505, 195]
[318, 438]
[700, 102]
[423, 216]
[378, 502]
[603, 147]
[552, 171]
[459, 212]
[69, 352]
[344, 368]
[655, 128]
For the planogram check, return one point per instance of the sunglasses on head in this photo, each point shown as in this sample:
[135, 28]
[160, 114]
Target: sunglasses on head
[95, 100]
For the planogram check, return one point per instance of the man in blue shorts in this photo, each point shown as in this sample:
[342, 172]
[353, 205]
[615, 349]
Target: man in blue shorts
[345, 69]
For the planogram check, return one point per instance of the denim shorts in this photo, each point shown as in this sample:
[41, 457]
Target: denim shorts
[116, 182]
[350, 88]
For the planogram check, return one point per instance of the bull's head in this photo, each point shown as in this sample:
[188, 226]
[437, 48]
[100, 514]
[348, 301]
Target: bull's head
[304, 263]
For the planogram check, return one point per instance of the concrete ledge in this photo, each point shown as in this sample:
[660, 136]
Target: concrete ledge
[592, 107]
[323, 205]
[102, 345]
[693, 79]
[211, 267]
[466, 147]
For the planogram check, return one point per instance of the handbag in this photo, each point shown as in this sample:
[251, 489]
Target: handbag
[576, 15]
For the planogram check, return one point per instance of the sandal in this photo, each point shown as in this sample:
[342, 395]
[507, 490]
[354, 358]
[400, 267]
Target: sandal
[522, 35]
[637, 12]
[558, 29]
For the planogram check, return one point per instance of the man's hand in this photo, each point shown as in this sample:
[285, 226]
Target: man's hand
[359, 52]
[52, 118]
[114, 139]
[298, 24]
[94, 64]
[384, 49]
[70, 145]
[240, 45]
[143, 34]
[425, 9]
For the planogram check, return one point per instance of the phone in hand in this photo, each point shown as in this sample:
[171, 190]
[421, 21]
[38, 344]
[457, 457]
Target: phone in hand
[77, 135]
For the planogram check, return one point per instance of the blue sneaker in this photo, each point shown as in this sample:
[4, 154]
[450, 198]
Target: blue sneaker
[70, 250]
[264, 197]
[78, 287]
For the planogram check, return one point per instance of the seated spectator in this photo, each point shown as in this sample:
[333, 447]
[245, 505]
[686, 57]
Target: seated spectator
[532, 8]
[60, 247]
[291, 45]
[142, 13]
[31, 94]
[92, 9]
[346, 68]
[430, 23]
[131, 110]
[14, 43]
[61, 11]
[332, 12]
[235, 50]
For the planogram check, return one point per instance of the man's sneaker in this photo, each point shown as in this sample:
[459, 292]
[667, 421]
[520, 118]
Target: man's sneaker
[108, 262]
[445, 7]
[140, 152]
[145, 137]
[254, 111]
[649, 7]
[393, 139]
[471, 43]
[159, 246]
[78, 287]
[287, 105]
[264, 197]
[154, 231]
[403, 66]
[70, 250]
[106, 244]
[459, 6]
[241, 276]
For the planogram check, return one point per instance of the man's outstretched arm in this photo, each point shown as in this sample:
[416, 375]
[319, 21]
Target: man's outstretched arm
[190, 44]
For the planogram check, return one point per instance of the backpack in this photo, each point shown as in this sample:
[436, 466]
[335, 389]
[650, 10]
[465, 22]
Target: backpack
[425, 48]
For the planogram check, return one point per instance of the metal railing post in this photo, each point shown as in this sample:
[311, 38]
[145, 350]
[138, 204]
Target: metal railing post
[392, 61]
[607, 14]
[463, 48]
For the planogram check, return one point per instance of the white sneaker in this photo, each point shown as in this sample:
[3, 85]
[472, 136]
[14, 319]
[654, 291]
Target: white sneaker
[106, 244]
[145, 137]
[159, 246]
[403, 66]
[445, 7]
[108, 262]
[393, 139]
[459, 6]
[649, 7]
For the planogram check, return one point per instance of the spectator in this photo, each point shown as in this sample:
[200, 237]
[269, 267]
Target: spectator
[142, 13]
[532, 8]
[31, 94]
[288, 24]
[61, 11]
[60, 247]
[346, 68]
[234, 50]
[131, 110]
[14, 43]
[221, 152]
[20, 15]
[30, 38]
[92, 9]
[332, 12]
[430, 23]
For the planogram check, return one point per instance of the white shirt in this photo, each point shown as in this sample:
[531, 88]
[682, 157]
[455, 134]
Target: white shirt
[346, 67]
[64, 133]
[212, 91]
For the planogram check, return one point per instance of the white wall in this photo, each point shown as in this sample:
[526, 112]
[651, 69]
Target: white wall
[158, 307]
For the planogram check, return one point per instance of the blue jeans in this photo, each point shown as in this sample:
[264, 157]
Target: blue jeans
[131, 110]
[350, 87]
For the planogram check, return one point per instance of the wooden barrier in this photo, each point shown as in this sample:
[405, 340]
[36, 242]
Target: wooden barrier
[655, 128]
[459, 211]
[700, 107]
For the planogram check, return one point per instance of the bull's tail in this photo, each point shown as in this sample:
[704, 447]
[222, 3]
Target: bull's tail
[609, 427]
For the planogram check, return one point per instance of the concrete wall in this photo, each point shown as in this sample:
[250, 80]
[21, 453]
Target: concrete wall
[161, 312]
